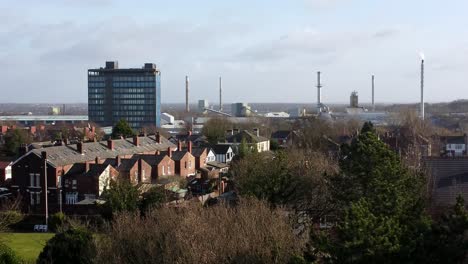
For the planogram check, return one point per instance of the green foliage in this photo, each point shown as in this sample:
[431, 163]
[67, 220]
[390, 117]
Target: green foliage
[122, 128]
[274, 145]
[121, 196]
[56, 221]
[244, 149]
[7, 256]
[215, 130]
[368, 127]
[381, 204]
[447, 241]
[14, 138]
[154, 198]
[9, 218]
[264, 177]
[71, 246]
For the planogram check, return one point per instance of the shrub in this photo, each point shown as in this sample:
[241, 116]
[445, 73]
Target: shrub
[248, 233]
[56, 221]
[71, 246]
[7, 256]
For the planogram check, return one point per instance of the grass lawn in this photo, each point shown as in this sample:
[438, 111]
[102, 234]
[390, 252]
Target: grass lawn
[26, 245]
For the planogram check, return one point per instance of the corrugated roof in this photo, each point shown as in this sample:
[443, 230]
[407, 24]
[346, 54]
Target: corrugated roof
[65, 155]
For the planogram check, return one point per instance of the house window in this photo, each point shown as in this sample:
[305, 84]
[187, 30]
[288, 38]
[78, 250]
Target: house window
[35, 198]
[73, 184]
[34, 179]
[185, 164]
[71, 198]
[163, 170]
[190, 164]
[169, 170]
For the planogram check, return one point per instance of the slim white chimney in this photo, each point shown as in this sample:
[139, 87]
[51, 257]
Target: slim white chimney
[187, 108]
[220, 95]
[422, 89]
[319, 93]
[373, 86]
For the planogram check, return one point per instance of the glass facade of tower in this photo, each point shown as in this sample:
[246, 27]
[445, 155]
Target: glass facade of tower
[130, 94]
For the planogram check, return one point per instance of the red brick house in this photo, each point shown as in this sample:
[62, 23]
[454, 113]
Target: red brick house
[28, 170]
[87, 181]
[184, 163]
[162, 165]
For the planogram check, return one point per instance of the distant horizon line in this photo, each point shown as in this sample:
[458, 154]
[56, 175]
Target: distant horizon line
[195, 103]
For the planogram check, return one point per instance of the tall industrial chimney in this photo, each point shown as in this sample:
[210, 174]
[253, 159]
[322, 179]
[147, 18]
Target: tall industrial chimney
[373, 86]
[319, 93]
[220, 95]
[422, 89]
[187, 108]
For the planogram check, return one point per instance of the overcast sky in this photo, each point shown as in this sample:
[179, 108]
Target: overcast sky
[265, 50]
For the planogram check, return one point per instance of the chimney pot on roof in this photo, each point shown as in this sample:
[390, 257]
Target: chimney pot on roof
[179, 145]
[256, 131]
[87, 166]
[158, 137]
[157, 153]
[169, 152]
[96, 160]
[118, 160]
[110, 144]
[136, 140]
[189, 133]
[189, 146]
[79, 147]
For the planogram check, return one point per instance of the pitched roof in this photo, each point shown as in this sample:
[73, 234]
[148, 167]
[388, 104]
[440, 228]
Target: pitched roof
[178, 155]
[455, 140]
[221, 149]
[248, 136]
[77, 168]
[281, 134]
[152, 160]
[65, 155]
[197, 152]
[96, 170]
[126, 164]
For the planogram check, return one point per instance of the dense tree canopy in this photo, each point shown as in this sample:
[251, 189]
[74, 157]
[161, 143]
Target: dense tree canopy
[215, 129]
[71, 246]
[381, 204]
[122, 128]
[14, 138]
[120, 197]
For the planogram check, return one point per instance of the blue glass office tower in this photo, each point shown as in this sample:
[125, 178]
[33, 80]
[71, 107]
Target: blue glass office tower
[132, 94]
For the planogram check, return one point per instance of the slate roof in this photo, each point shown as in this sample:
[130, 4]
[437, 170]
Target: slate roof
[248, 136]
[96, 170]
[178, 155]
[281, 134]
[221, 149]
[197, 152]
[77, 168]
[127, 164]
[152, 160]
[455, 140]
[65, 155]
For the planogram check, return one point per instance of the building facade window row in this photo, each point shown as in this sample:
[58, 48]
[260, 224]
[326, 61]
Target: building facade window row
[133, 84]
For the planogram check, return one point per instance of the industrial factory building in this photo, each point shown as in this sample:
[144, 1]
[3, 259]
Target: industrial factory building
[131, 94]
